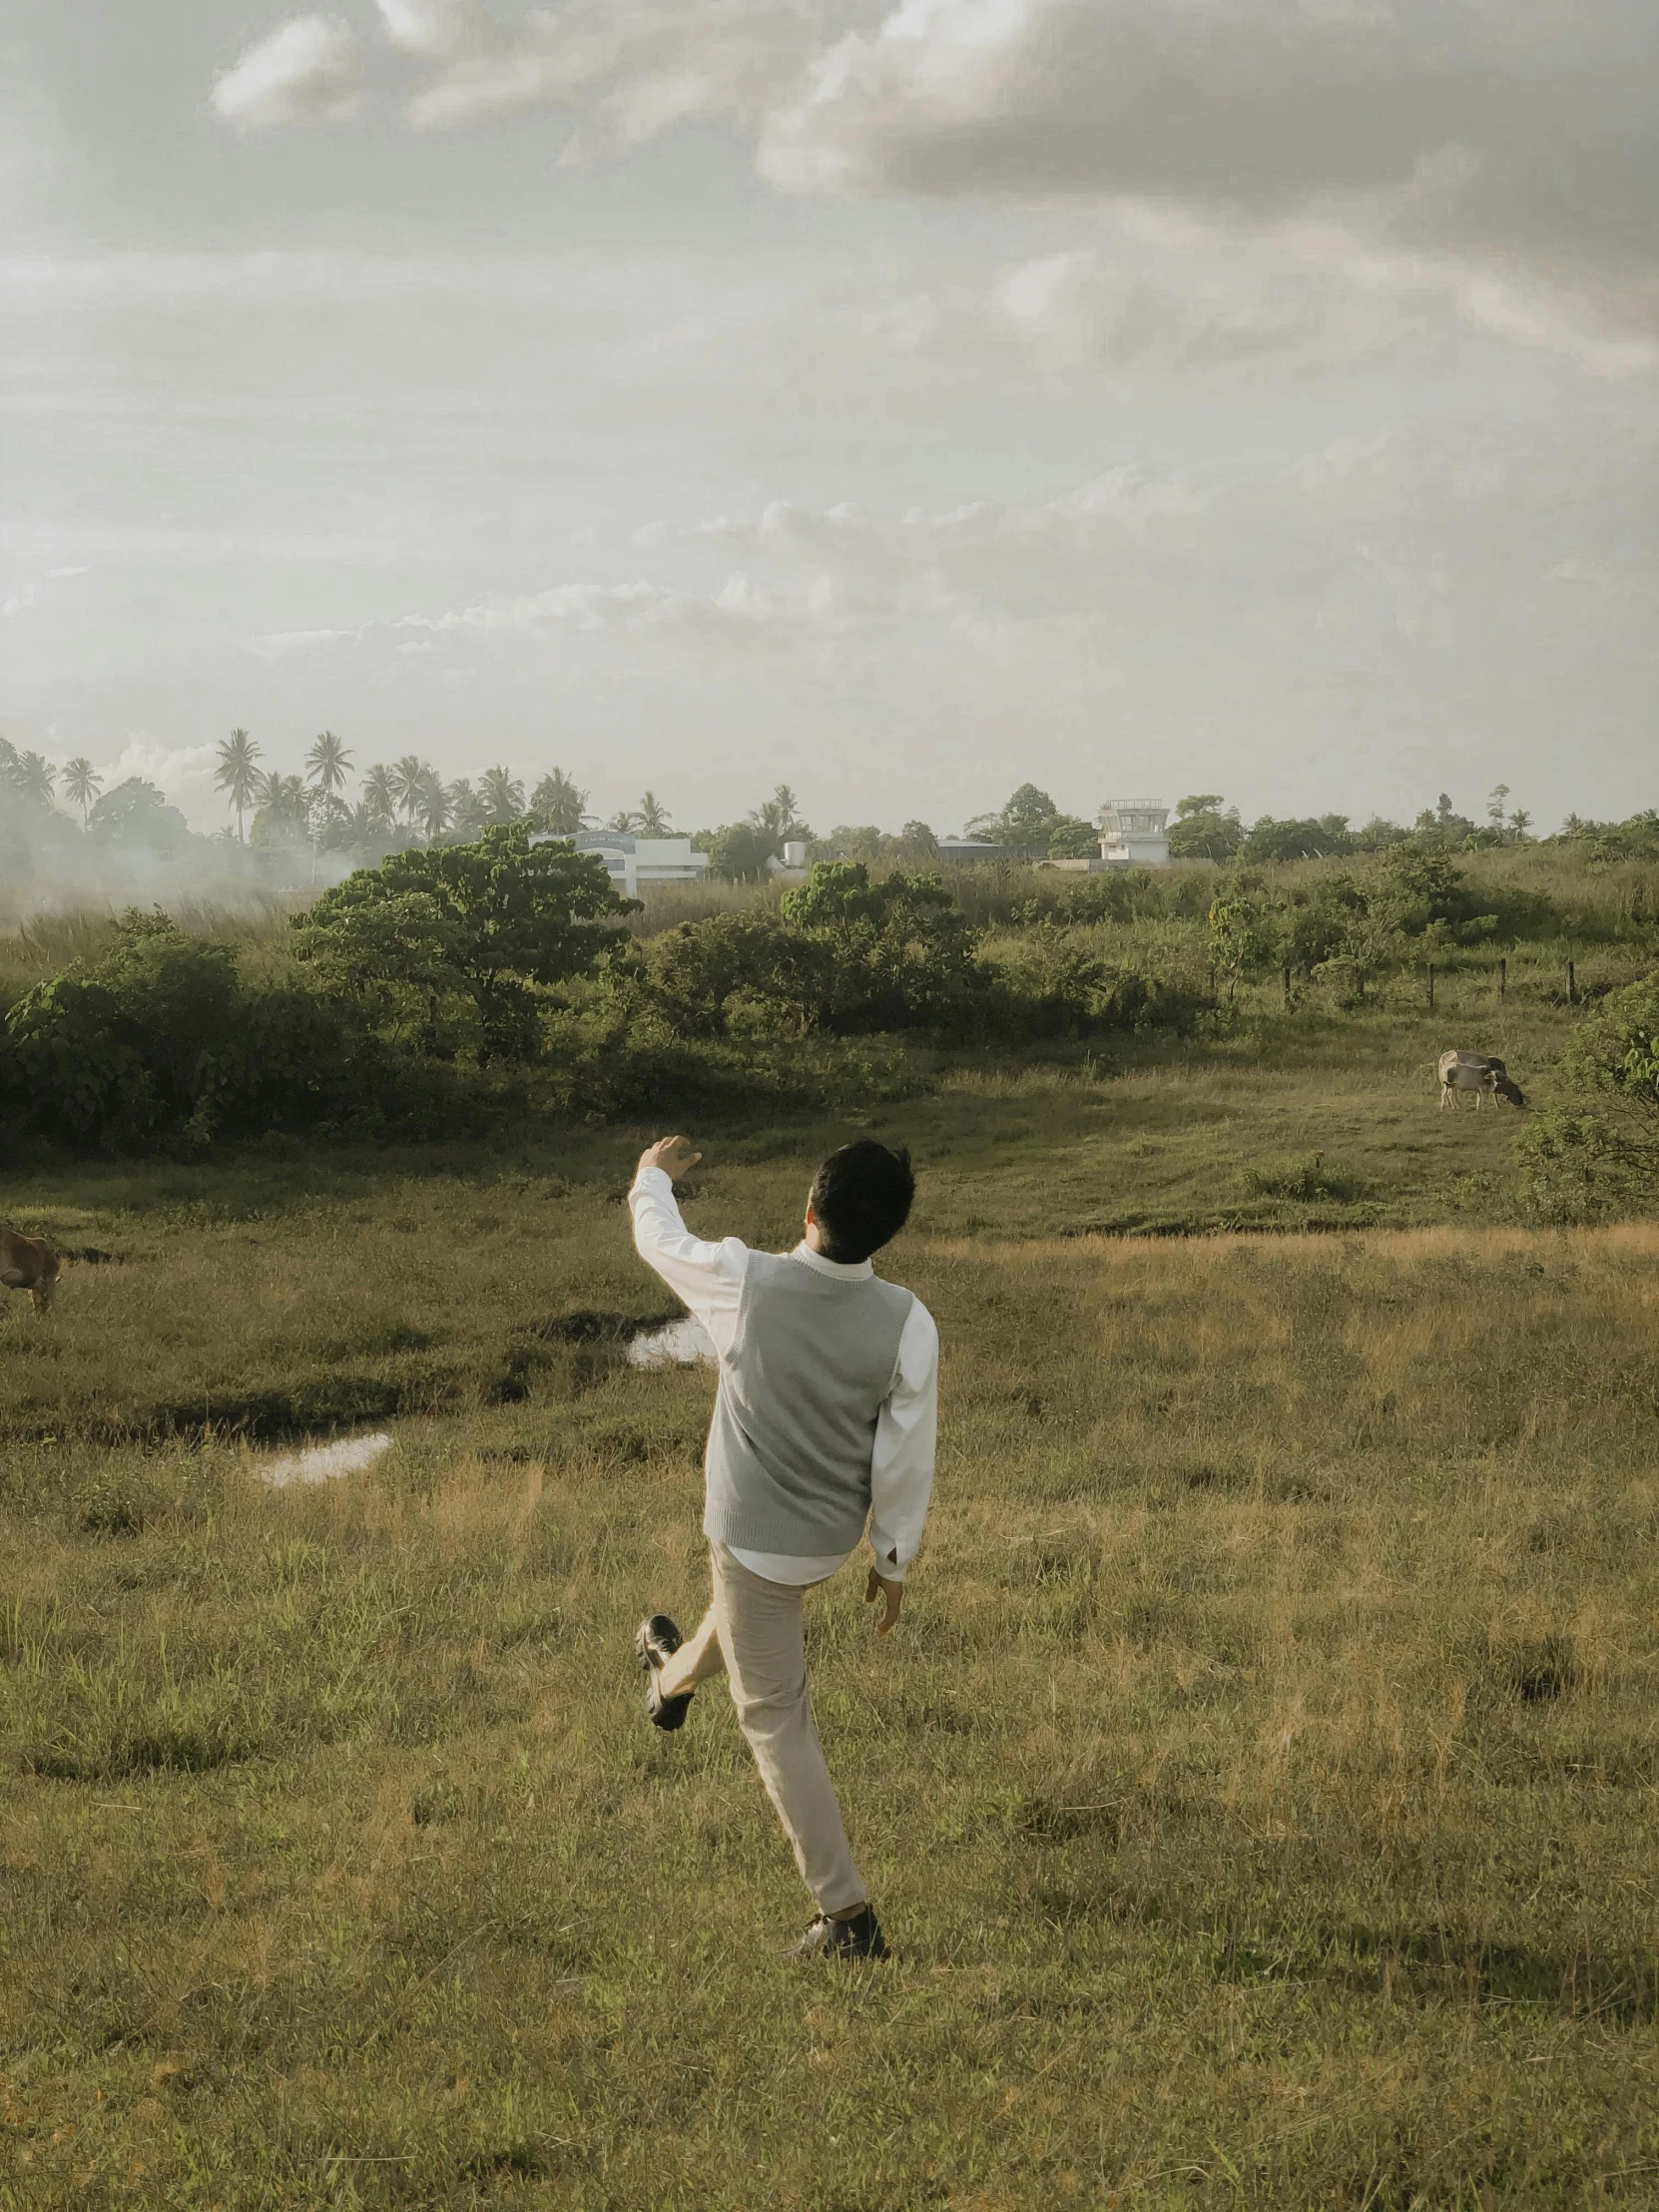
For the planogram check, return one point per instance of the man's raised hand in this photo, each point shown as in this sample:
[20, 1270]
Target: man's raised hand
[672, 1155]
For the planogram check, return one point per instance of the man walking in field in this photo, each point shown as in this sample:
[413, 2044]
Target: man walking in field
[826, 1418]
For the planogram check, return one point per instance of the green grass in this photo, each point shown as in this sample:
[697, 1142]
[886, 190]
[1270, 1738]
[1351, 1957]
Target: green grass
[1258, 1790]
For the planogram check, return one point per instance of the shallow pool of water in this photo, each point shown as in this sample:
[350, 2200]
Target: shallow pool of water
[325, 1462]
[683, 1343]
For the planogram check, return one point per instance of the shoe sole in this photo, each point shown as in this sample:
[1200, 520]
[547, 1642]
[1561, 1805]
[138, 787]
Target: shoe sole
[665, 1713]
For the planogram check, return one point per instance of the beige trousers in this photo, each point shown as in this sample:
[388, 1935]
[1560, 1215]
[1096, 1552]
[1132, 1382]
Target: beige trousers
[753, 1629]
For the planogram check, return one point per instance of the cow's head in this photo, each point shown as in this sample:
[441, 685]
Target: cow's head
[46, 1289]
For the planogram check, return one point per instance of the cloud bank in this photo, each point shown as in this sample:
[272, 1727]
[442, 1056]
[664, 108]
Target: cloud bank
[1509, 148]
[1436, 602]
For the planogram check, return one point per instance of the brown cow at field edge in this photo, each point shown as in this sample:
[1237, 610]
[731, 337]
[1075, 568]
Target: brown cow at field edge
[28, 1264]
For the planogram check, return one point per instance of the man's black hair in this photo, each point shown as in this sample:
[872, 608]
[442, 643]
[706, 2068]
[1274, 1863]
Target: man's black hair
[861, 1199]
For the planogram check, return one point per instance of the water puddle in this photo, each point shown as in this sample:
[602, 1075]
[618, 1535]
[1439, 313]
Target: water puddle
[325, 1462]
[683, 1343]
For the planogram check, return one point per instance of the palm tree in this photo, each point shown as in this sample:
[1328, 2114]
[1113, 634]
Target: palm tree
[33, 775]
[283, 799]
[410, 779]
[653, 816]
[81, 785]
[779, 816]
[238, 774]
[558, 805]
[380, 796]
[502, 794]
[432, 806]
[327, 760]
[466, 807]
[623, 819]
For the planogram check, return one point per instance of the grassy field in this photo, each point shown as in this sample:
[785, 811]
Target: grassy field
[1259, 1792]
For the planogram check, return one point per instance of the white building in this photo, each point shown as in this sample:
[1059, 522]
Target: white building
[637, 863]
[1134, 834]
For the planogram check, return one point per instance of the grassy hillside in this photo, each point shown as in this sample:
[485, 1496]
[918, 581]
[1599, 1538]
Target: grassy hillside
[1259, 1790]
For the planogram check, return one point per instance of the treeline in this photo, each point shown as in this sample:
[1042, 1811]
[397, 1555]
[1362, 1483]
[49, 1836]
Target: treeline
[447, 984]
[419, 990]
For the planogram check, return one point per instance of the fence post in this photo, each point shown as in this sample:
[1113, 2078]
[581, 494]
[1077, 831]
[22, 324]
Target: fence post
[1572, 983]
[1431, 982]
[1502, 978]
[1285, 982]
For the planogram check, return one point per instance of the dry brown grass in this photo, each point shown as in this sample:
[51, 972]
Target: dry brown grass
[1260, 1793]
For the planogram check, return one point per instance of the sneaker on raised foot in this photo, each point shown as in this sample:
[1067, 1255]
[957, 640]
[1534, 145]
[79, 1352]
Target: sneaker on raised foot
[858, 1936]
[655, 1643]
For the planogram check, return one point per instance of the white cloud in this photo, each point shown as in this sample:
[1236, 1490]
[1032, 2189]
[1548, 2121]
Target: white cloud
[183, 772]
[628, 69]
[1510, 148]
[1509, 138]
[1136, 303]
[309, 70]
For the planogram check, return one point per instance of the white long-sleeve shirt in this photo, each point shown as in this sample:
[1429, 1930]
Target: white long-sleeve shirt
[708, 1278]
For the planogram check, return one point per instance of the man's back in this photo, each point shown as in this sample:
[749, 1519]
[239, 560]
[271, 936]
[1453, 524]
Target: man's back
[811, 1362]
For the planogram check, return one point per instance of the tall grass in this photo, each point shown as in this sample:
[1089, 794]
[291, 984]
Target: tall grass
[1258, 1790]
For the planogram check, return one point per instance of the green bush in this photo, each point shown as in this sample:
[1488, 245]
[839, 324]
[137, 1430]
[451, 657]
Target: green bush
[1598, 1146]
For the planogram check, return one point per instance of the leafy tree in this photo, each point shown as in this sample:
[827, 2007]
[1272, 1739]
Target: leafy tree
[900, 952]
[81, 785]
[1244, 934]
[1599, 1145]
[159, 1041]
[1203, 830]
[1314, 925]
[136, 813]
[1267, 839]
[1025, 821]
[483, 919]
[740, 853]
[1444, 823]
[1070, 837]
[559, 805]
[1416, 884]
[914, 846]
[238, 772]
[750, 970]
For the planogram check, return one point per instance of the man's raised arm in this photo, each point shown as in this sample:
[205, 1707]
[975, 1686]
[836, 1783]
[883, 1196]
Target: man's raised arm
[708, 1278]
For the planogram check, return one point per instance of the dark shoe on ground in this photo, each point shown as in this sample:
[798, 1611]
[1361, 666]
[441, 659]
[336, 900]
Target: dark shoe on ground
[859, 1937]
[656, 1642]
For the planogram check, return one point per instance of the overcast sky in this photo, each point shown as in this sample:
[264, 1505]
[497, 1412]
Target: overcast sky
[900, 397]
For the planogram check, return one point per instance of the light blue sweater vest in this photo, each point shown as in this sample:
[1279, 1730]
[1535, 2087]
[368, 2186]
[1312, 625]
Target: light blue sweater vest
[793, 1430]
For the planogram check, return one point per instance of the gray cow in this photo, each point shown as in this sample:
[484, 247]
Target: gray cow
[1478, 1072]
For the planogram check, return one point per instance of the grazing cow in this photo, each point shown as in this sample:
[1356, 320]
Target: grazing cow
[1478, 1072]
[28, 1264]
